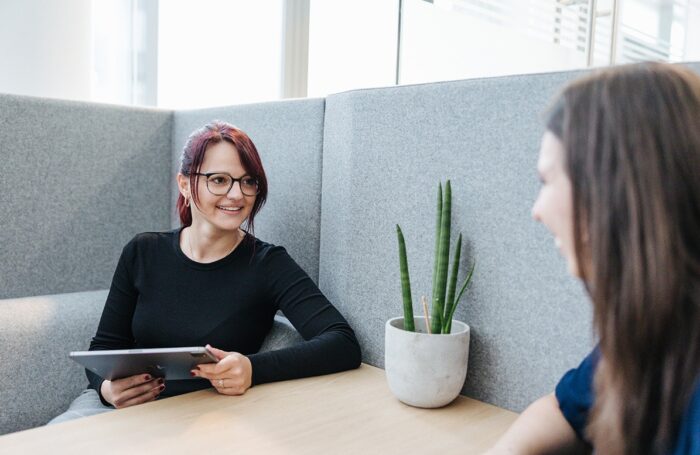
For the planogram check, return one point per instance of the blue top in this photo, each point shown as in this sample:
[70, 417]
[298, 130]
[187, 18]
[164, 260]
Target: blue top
[575, 395]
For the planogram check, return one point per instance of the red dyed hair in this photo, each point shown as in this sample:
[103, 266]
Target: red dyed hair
[193, 156]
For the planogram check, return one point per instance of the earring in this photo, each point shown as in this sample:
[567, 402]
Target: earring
[187, 202]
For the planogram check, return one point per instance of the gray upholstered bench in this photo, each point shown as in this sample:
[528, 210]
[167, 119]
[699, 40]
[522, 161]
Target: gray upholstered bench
[37, 333]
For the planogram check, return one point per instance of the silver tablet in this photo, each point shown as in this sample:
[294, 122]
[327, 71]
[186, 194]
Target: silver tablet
[169, 363]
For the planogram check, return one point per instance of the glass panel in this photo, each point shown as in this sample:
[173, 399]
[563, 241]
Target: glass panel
[112, 51]
[691, 27]
[218, 52]
[352, 44]
[456, 39]
[659, 30]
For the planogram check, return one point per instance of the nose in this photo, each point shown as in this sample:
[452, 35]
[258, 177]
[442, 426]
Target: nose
[235, 191]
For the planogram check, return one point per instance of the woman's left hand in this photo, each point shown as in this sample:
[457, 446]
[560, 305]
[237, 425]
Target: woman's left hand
[231, 375]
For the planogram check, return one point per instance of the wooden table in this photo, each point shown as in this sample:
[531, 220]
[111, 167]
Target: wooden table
[346, 413]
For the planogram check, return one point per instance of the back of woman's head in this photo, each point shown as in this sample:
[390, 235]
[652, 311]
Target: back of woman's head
[192, 158]
[632, 141]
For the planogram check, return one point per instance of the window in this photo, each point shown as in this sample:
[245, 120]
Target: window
[456, 39]
[659, 30]
[182, 54]
[218, 52]
[352, 44]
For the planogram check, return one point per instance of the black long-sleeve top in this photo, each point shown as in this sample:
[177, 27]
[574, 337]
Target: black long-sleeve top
[161, 298]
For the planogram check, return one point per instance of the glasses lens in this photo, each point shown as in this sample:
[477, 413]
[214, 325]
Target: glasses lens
[249, 186]
[219, 184]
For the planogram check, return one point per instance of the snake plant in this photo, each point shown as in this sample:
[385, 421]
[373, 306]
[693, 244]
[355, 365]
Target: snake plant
[444, 301]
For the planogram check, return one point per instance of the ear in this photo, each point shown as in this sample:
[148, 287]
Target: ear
[183, 184]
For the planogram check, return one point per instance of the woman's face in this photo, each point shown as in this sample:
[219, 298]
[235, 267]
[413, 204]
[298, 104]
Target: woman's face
[226, 212]
[554, 205]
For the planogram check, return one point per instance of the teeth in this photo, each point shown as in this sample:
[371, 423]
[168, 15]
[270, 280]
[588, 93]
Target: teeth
[230, 209]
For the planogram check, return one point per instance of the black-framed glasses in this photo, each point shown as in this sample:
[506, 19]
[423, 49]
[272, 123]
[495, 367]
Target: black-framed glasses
[220, 183]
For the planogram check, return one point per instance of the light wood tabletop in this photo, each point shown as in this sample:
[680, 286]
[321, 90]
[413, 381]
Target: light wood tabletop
[352, 412]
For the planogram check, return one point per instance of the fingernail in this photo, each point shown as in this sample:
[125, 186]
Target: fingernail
[160, 381]
[161, 387]
[192, 373]
[147, 377]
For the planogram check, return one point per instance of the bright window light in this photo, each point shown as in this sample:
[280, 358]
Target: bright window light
[352, 44]
[112, 51]
[218, 52]
[457, 39]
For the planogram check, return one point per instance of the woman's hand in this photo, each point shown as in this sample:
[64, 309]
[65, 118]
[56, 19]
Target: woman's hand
[232, 375]
[125, 392]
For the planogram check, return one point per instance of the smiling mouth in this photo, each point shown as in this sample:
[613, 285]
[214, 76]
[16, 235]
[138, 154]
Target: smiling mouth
[229, 209]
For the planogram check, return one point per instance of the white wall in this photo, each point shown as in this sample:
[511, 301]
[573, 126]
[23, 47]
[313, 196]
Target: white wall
[45, 48]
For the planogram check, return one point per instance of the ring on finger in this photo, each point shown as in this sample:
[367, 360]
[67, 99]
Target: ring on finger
[221, 383]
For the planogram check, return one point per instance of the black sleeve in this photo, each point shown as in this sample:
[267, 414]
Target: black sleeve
[330, 344]
[114, 330]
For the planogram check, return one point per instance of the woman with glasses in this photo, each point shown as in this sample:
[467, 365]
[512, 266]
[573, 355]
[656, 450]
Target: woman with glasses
[211, 282]
[620, 171]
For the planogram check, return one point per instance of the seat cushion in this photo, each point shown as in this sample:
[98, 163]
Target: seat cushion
[37, 333]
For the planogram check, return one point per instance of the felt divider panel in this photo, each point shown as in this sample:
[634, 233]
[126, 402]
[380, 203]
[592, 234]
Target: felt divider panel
[78, 181]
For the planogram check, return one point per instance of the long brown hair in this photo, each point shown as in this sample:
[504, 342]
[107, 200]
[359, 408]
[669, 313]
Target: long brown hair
[632, 141]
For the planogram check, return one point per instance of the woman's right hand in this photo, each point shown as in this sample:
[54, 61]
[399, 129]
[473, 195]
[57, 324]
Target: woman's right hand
[125, 392]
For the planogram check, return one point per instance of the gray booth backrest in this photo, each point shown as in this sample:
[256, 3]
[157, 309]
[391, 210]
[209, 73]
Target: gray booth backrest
[384, 152]
[78, 181]
[81, 179]
[36, 335]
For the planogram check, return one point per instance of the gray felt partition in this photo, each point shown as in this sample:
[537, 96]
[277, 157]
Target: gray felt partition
[289, 138]
[78, 181]
[384, 152]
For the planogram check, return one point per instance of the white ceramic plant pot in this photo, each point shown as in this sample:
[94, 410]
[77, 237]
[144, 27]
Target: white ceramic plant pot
[427, 371]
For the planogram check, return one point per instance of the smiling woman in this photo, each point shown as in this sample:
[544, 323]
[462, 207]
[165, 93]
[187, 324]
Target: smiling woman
[228, 150]
[210, 203]
[620, 170]
[553, 205]
[211, 282]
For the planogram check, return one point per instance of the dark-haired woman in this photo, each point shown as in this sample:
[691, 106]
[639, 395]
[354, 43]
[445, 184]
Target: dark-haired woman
[620, 170]
[211, 282]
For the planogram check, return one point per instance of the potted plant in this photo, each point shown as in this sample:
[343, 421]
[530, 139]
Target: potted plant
[426, 357]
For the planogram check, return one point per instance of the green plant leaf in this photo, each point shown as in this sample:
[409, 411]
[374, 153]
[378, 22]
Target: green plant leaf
[452, 284]
[408, 323]
[441, 282]
[448, 326]
[437, 239]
